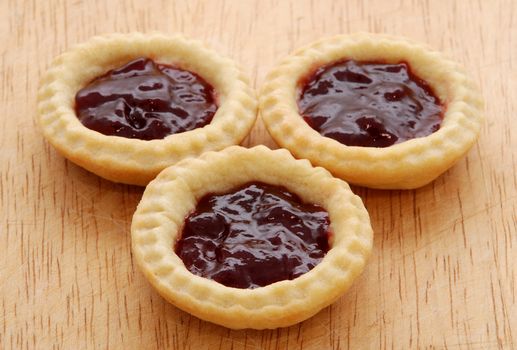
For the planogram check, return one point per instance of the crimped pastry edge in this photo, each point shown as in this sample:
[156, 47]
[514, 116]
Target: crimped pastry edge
[135, 161]
[173, 195]
[407, 165]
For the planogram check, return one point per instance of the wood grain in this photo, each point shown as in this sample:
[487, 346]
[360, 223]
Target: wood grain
[443, 270]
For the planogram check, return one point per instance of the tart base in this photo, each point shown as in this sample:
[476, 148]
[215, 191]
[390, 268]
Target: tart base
[173, 195]
[406, 165]
[134, 161]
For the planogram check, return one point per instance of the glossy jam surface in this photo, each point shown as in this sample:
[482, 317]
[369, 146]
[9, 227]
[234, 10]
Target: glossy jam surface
[369, 104]
[145, 100]
[253, 236]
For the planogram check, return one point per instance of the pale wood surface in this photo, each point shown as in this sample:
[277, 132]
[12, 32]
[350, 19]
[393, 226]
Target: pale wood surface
[443, 273]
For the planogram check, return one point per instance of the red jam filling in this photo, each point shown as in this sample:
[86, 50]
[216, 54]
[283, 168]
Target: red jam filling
[145, 100]
[254, 236]
[369, 104]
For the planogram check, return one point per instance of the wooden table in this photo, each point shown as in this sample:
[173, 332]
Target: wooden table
[443, 273]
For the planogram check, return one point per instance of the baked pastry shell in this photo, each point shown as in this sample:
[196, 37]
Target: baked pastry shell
[406, 165]
[158, 221]
[135, 161]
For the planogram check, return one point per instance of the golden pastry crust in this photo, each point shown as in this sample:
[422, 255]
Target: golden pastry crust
[135, 161]
[169, 198]
[406, 165]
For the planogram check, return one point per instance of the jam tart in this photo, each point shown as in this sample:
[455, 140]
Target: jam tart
[375, 110]
[126, 106]
[194, 236]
